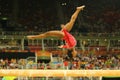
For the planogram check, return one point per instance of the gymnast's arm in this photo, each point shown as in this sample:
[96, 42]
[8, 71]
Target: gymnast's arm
[63, 46]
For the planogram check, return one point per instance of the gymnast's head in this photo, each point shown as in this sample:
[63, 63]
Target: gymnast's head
[73, 51]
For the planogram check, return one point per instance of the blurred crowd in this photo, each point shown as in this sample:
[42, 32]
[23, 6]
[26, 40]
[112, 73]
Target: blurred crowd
[36, 16]
[81, 62]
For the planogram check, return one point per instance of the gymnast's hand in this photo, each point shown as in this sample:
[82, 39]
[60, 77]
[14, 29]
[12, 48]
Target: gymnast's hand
[61, 46]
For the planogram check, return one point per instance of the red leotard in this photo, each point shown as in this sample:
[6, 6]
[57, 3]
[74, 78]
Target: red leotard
[69, 39]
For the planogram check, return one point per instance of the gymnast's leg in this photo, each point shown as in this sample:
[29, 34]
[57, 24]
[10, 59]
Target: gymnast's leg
[70, 24]
[58, 34]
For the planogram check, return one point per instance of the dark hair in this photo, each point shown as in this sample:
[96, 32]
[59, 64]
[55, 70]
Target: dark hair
[69, 53]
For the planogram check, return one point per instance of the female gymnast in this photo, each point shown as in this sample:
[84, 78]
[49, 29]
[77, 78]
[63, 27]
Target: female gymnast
[70, 41]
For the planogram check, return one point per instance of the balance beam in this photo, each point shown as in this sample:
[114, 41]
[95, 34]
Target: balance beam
[58, 73]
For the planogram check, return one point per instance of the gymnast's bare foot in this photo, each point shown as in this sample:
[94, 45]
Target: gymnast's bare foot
[31, 37]
[81, 7]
